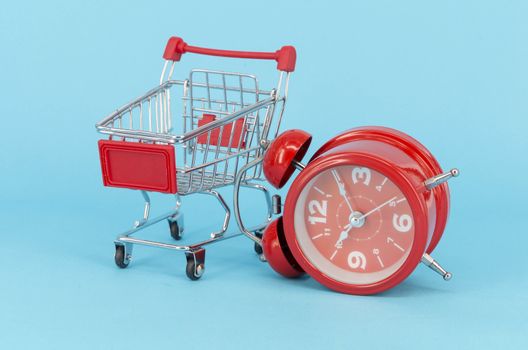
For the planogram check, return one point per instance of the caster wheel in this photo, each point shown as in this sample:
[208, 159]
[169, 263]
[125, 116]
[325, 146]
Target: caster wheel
[175, 231]
[120, 257]
[257, 247]
[193, 271]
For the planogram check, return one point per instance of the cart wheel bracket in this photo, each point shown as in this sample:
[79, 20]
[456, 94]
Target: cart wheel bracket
[123, 254]
[176, 226]
[195, 263]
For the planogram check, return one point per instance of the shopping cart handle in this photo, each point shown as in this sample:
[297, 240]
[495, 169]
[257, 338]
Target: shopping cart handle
[285, 56]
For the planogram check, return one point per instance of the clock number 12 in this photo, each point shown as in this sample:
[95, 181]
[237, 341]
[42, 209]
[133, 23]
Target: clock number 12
[317, 208]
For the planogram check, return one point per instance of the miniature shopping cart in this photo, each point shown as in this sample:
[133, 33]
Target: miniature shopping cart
[226, 122]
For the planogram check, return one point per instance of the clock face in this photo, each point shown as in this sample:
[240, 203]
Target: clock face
[354, 224]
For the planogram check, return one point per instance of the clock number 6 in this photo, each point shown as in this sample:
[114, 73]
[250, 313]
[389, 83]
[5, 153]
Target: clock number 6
[316, 207]
[402, 223]
[361, 174]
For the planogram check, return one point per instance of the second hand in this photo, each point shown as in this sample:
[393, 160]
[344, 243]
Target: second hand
[377, 208]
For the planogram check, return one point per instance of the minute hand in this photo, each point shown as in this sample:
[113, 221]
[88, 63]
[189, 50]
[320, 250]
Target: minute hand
[377, 208]
[342, 190]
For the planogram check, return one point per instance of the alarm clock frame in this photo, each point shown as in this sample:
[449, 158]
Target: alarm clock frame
[427, 193]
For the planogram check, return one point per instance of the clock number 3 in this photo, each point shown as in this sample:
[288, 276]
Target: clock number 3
[319, 208]
[361, 174]
[402, 223]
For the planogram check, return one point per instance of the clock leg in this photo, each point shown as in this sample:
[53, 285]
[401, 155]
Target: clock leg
[440, 179]
[428, 261]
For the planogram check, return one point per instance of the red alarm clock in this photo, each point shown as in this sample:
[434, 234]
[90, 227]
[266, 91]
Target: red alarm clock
[370, 205]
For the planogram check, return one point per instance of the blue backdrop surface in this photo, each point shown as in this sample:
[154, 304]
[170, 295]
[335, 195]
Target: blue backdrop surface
[452, 74]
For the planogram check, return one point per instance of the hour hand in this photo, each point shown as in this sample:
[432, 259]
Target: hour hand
[342, 236]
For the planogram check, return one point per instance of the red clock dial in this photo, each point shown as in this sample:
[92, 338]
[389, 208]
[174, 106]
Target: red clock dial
[354, 224]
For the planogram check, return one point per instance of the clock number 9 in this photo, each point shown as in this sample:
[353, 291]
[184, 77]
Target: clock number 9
[361, 174]
[402, 223]
[320, 208]
[357, 260]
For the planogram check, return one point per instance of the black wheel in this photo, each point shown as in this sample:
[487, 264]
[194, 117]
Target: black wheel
[120, 256]
[257, 247]
[175, 231]
[194, 272]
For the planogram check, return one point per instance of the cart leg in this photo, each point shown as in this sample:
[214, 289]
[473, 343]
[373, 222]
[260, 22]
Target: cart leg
[267, 196]
[258, 231]
[227, 216]
[146, 210]
[176, 222]
[195, 263]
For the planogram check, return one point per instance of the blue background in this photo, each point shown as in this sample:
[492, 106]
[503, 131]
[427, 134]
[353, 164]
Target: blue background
[453, 74]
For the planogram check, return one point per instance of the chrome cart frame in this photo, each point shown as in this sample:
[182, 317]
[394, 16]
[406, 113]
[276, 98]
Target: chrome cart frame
[227, 121]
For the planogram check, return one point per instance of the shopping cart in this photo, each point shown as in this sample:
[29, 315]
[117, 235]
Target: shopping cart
[227, 121]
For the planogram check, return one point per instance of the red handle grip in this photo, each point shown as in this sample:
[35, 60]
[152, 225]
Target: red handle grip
[285, 56]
